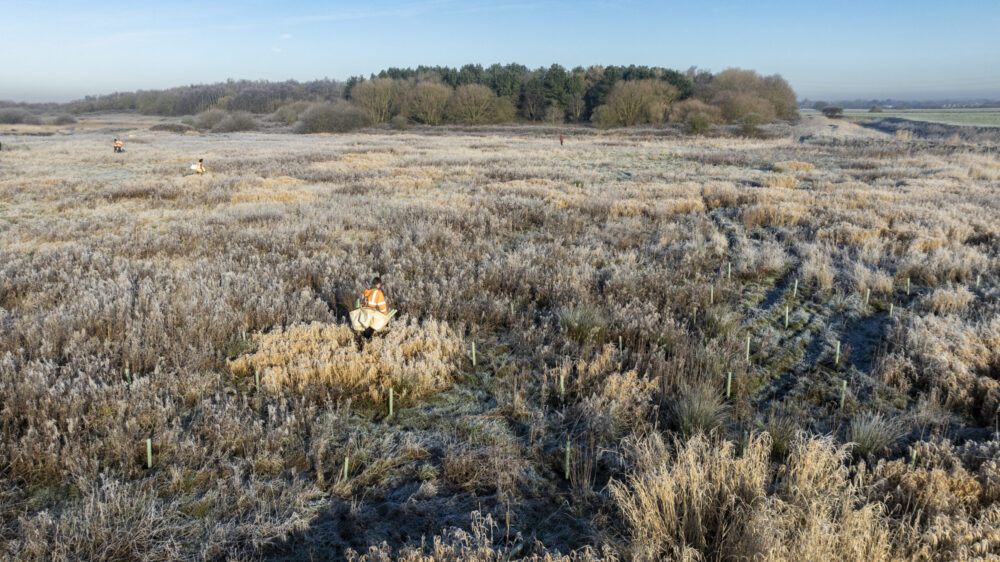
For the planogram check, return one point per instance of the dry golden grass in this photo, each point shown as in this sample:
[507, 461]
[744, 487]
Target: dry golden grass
[793, 166]
[414, 359]
[947, 300]
[783, 181]
[705, 499]
[771, 215]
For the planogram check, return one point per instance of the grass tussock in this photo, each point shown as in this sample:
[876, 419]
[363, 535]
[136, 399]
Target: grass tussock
[782, 181]
[947, 300]
[707, 500]
[699, 408]
[873, 434]
[414, 359]
[584, 323]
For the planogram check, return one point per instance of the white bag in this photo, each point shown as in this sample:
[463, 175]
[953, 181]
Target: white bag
[364, 318]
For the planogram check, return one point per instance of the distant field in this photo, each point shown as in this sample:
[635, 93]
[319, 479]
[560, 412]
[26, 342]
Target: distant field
[975, 117]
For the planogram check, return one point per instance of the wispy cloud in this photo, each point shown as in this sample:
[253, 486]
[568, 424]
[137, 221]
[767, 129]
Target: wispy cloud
[286, 36]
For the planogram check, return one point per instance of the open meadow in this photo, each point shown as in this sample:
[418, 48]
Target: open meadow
[638, 346]
[976, 117]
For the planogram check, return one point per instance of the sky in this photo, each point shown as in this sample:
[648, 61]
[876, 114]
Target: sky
[829, 50]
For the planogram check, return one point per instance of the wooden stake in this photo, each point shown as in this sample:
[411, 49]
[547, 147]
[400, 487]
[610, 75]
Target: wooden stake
[843, 393]
[729, 383]
[149, 453]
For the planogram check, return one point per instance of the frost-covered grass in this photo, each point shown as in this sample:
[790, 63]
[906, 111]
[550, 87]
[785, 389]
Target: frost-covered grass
[601, 283]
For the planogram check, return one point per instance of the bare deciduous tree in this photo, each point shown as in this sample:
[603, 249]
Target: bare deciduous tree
[475, 104]
[426, 102]
[378, 98]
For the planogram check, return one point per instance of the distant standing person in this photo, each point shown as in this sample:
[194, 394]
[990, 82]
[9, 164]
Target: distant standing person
[560, 139]
[199, 166]
[119, 145]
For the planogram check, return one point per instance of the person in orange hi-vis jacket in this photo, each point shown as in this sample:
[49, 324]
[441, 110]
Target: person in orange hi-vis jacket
[375, 298]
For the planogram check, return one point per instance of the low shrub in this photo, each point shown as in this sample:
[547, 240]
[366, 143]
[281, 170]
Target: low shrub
[208, 119]
[682, 111]
[833, 111]
[338, 117]
[234, 122]
[400, 123]
[172, 127]
[289, 114]
[750, 124]
[697, 124]
[18, 116]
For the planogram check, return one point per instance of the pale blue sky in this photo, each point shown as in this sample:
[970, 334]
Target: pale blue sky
[62, 50]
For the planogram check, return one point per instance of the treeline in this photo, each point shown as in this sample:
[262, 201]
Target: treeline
[606, 96]
[252, 96]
